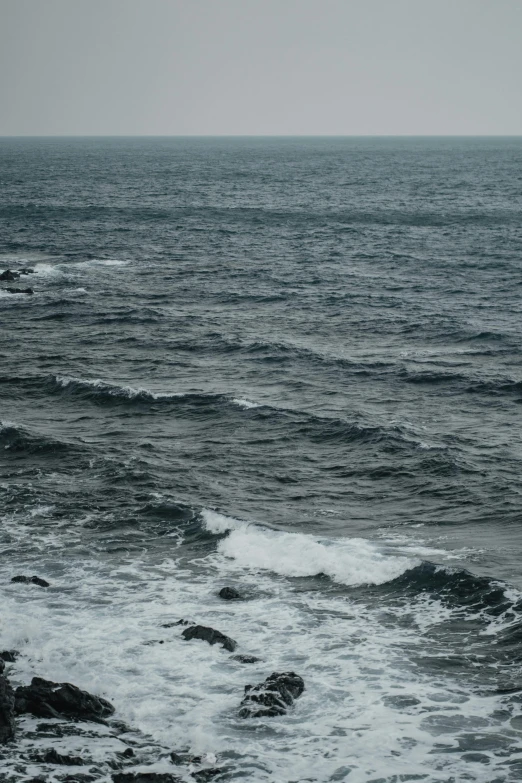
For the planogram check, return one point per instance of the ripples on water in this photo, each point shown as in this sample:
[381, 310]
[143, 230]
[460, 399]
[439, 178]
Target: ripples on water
[290, 365]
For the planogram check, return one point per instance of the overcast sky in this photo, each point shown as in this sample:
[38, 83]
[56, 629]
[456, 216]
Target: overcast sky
[341, 67]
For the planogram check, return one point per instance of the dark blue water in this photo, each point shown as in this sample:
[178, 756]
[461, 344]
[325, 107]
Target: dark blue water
[291, 365]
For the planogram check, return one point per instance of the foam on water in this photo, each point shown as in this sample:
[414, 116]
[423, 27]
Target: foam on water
[348, 561]
[48, 270]
[113, 389]
[103, 262]
[368, 712]
[245, 403]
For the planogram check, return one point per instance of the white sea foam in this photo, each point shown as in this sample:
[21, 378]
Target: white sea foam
[104, 262]
[48, 270]
[349, 561]
[369, 711]
[113, 389]
[245, 403]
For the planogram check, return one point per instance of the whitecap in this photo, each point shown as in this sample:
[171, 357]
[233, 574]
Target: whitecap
[349, 561]
[113, 389]
[245, 403]
[47, 270]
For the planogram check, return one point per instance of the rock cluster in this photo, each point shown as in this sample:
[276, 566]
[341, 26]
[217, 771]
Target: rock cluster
[30, 580]
[271, 697]
[8, 276]
[67, 703]
[46, 699]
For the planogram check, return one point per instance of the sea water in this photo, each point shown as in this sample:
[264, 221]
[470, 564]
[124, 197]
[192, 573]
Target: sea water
[291, 366]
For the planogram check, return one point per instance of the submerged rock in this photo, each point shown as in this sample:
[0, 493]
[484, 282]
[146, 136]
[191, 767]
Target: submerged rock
[229, 594]
[46, 699]
[52, 756]
[176, 622]
[185, 758]
[245, 658]
[202, 775]
[9, 656]
[30, 580]
[26, 270]
[271, 697]
[209, 635]
[145, 777]
[9, 276]
[7, 711]
[20, 290]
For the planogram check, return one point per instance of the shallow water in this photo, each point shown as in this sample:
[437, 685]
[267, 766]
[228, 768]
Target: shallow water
[287, 365]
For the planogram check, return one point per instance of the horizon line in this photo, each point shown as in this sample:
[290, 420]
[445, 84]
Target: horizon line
[260, 135]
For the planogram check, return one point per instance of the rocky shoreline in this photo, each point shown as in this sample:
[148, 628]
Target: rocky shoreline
[66, 709]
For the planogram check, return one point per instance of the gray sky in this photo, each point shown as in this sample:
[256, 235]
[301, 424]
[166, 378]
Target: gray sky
[133, 67]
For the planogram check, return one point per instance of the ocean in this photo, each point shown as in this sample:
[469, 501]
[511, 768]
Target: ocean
[290, 366]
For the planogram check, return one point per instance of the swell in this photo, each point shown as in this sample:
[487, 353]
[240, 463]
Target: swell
[279, 353]
[17, 440]
[287, 424]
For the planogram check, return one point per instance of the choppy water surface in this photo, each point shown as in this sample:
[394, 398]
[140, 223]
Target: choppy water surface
[288, 365]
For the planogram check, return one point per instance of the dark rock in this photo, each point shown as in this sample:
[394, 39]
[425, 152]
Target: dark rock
[245, 658]
[63, 730]
[80, 777]
[271, 697]
[9, 276]
[184, 758]
[128, 753]
[145, 777]
[52, 756]
[46, 699]
[20, 290]
[38, 779]
[229, 594]
[209, 635]
[178, 622]
[2, 665]
[202, 775]
[7, 711]
[9, 656]
[30, 580]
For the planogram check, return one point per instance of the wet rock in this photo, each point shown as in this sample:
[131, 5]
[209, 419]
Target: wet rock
[30, 580]
[229, 594]
[80, 777]
[20, 290]
[52, 756]
[271, 697]
[2, 666]
[145, 777]
[184, 758]
[63, 730]
[7, 711]
[46, 699]
[245, 658]
[209, 635]
[9, 656]
[202, 775]
[9, 276]
[177, 622]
